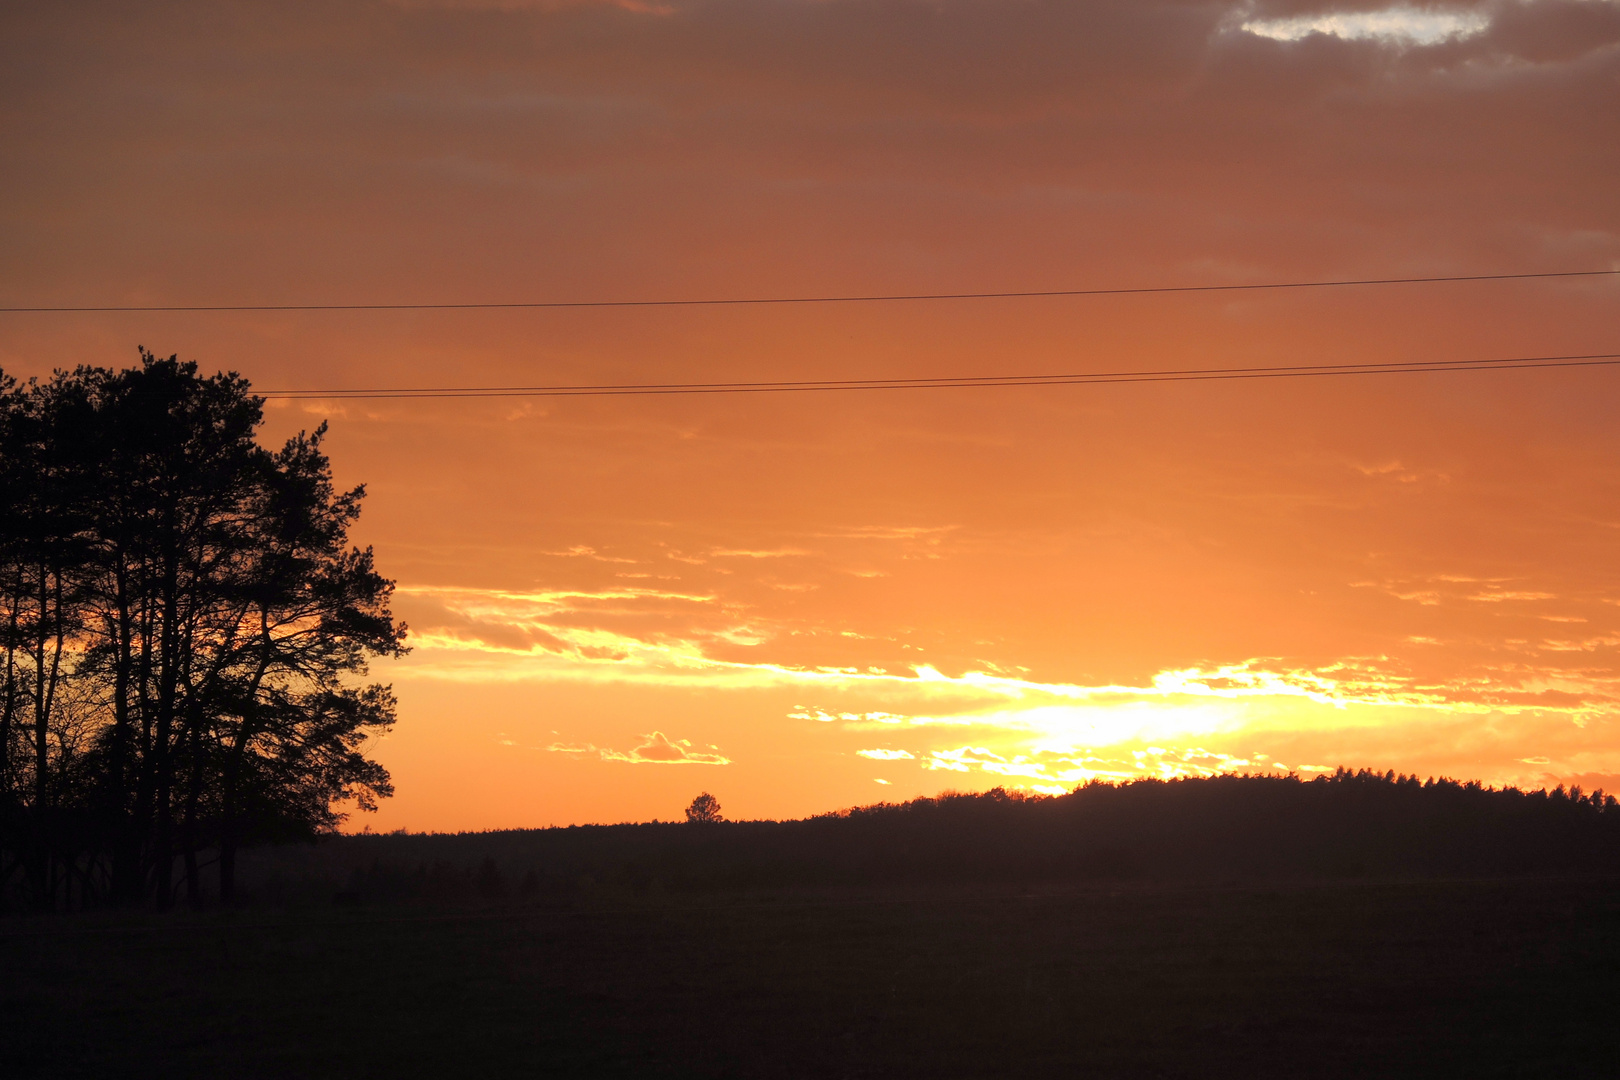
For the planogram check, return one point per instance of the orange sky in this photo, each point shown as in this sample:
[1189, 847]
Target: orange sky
[805, 601]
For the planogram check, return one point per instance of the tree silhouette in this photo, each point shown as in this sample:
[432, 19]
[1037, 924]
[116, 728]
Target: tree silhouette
[705, 809]
[180, 609]
[43, 501]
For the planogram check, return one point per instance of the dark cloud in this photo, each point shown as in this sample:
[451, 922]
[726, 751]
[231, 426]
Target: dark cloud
[369, 150]
[1552, 31]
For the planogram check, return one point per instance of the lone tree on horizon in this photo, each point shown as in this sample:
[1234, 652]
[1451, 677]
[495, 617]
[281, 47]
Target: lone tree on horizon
[180, 615]
[705, 810]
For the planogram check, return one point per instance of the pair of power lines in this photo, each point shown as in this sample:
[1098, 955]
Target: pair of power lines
[957, 382]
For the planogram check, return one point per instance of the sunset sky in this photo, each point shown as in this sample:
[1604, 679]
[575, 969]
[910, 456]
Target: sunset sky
[806, 601]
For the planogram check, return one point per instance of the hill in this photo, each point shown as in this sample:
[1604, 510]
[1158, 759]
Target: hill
[1223, 828]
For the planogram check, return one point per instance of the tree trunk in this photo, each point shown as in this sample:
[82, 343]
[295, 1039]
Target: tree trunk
[8, 710]
[119, 799]
[39, 866]
[188, 829]
[163, 742]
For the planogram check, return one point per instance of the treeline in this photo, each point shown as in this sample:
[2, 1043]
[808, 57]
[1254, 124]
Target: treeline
[1247, 828]
[179, 609]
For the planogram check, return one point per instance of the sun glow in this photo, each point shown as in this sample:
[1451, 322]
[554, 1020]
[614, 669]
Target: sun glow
[1255, 715]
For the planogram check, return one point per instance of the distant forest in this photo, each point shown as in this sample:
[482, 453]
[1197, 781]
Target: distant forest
[181, 615]
[1222, 828]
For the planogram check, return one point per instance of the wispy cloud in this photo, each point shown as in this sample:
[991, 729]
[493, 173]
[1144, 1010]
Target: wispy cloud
[655, 749]
[652, 636]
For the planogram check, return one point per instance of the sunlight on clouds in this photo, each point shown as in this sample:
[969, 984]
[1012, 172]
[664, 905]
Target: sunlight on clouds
[1104, 723]
[821, 716]
[1050, 772]
[656, 749]
[1405, 25]
[650, 636]
[993, 727]
[967, 757]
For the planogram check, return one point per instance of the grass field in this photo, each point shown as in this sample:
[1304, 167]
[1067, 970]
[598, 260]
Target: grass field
[1450, 978]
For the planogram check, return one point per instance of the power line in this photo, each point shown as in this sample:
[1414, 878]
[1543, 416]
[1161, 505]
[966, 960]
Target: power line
[1515, 363]
[757, 300]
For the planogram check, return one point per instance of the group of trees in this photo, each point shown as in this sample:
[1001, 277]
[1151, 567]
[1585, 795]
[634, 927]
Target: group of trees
[181, 616]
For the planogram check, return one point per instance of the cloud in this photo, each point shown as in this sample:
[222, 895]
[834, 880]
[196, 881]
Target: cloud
[437, 624]
[555, 119]
[964, 758]
[1405, 25]
[608, 625]
[583, 551]
[655, 749]
[672, 638]
[885, 755]
[1055, 771]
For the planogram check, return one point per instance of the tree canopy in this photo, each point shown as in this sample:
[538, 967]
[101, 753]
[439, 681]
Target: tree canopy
[182, 618]
[705, 810]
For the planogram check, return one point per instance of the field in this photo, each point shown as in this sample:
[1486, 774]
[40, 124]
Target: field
[1506, 977]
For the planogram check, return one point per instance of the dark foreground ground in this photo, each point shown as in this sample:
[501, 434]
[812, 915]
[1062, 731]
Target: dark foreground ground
[1476, 979]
